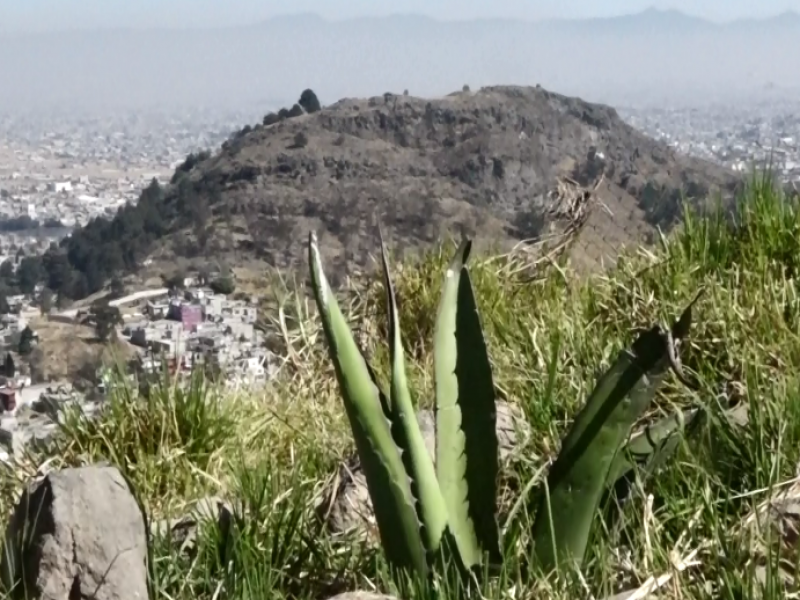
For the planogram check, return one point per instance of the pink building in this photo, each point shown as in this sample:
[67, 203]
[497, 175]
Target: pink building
[190, 315]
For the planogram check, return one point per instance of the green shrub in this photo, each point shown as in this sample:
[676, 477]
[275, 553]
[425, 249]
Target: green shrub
[223, 285]
[309, 102]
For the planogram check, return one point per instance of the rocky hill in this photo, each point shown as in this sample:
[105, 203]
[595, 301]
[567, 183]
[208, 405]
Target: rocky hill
[485, 163]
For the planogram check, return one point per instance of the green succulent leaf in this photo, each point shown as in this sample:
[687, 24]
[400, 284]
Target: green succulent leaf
[649, 448]
[386, 478]
[431, 509]
[466, 445]
[577, 479]
[640, 458]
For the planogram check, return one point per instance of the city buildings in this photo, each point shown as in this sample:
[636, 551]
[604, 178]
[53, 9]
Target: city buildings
[739, 136]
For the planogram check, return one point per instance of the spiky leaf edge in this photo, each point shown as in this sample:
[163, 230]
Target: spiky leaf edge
[650, 447]
[466, 438]
[429, 502]
[387, 481]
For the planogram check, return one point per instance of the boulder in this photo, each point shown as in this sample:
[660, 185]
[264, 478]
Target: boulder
[77, 533]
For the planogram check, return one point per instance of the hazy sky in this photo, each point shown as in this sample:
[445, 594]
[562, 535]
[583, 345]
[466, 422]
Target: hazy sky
[31, 15]
[266, 67]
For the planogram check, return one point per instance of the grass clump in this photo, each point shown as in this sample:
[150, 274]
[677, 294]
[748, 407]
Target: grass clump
[703, 519]
[163, 436]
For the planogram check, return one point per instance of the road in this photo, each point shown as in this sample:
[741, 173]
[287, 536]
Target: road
[72, 313]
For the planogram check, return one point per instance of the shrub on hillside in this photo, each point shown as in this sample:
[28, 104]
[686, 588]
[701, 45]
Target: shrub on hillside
[27, 339]
[189, 163]
[106, 319]
[295, 111]
[309, 101]
[223, 285]
[300, 140]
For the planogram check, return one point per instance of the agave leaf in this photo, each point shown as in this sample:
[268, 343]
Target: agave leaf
[641, 457]
[431, 509]
[466, 444]
[652, 446]
[577, 480]
[644, 453]
[386, 478]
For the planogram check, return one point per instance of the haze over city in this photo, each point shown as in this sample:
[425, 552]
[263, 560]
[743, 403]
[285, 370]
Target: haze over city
[94, 54]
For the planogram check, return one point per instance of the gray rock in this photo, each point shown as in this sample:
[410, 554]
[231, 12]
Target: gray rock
[346, 504]
[182, 532]
[77, 533]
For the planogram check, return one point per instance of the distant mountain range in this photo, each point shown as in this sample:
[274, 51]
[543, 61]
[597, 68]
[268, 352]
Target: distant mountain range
[647, 21]
[662, 54]
[672, 21]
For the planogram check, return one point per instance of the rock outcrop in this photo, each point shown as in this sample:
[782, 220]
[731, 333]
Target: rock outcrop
[78, 533]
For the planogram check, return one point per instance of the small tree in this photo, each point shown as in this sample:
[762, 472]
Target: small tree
[176, 281]
[203, 275]
[26, 339]
[300, 140]
[7, 270]
[117, 288]
[62, 301]
[211, 368]
[46, 301]
[106, 318]
[223, 285]
[9, 368]
[309, 101]
[37, 365]
[4, 307]
[295, 111]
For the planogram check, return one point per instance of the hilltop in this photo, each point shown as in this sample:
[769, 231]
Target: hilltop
[484, 163]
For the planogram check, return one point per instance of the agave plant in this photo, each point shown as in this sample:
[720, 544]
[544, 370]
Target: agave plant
[425, 513]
